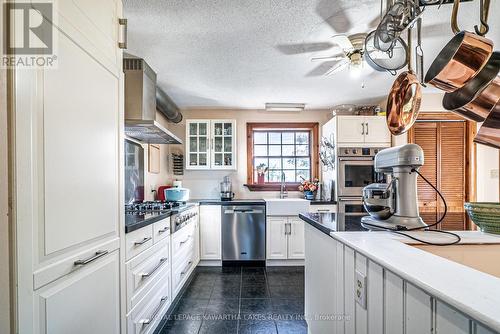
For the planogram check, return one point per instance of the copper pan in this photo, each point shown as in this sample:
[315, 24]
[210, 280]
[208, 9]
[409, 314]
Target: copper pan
[403, 103]
[489, 133]
[475, 100]
[459, 61]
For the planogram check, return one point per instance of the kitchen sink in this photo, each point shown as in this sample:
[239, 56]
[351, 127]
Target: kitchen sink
[286, 206]
[482, 257]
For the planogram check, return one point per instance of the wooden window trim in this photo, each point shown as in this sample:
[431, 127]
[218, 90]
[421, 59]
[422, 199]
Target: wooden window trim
[313, 128]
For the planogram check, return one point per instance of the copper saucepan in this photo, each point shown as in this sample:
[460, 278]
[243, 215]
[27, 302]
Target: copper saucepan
[475, 100]
[459, 61]
[489, 133]
[403, 103]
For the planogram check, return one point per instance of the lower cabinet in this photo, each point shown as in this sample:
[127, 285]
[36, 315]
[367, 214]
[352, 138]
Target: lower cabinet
[86, 301]
[285, 238]
[210, 232]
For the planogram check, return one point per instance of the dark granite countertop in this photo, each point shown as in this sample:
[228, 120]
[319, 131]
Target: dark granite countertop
[333, 222]
[218, 201]
[323, 202]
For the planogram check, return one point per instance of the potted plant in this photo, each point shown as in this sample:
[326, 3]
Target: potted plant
[261, 173]
[309, 188]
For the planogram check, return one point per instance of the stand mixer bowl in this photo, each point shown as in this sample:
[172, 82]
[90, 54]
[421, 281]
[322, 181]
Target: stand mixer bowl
[378, 201]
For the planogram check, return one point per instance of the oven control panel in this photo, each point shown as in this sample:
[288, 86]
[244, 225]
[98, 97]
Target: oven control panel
[359, 151]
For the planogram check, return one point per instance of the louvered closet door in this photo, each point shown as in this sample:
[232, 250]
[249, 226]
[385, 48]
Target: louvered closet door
[444, 153]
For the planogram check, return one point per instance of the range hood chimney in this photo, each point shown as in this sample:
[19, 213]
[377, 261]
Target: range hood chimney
[167, 107]
[140, 104]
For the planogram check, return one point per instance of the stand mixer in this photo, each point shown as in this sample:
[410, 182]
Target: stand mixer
[394, 205]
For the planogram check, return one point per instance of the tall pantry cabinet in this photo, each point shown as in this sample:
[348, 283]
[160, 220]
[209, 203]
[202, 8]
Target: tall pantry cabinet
[67, 195]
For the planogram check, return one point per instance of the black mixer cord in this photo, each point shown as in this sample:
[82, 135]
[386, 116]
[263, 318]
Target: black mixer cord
[399, 229]
[427, 228]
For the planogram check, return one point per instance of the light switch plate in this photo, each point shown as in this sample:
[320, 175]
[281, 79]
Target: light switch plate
[360, 289]
[494, 173]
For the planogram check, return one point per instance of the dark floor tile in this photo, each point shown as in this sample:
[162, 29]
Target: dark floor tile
[219, 327]
[257, 327]
[256, 306]
[227, 281]
[201, 281]
[253, 270]
[225, 291]
[253, 279]
[181, 326]
[230, 270]
[286, 291]
[190, 306]
[285, 279]
[287, 269]
[292, 327]
[198, 292]
[293, 307]
[229, 307]
[259, 290]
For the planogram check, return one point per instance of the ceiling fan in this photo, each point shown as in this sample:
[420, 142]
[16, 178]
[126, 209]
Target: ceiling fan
[353, 47]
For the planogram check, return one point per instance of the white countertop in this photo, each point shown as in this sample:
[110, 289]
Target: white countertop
[473, 292]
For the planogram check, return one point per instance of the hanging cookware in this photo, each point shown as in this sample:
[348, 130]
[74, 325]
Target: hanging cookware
[391, 61]
[420, 53]
[489, 133]
[464, 55]
[477, 98]
[404, 99]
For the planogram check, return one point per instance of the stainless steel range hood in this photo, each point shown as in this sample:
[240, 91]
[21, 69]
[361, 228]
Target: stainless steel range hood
[140, 104]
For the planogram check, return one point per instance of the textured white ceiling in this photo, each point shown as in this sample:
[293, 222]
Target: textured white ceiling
[244, 53]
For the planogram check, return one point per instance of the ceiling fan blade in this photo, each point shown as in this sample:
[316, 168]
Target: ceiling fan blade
[331, 58]
[294, 49]
[343, 41]
[334, 16]
[321, 69]
[337, 68]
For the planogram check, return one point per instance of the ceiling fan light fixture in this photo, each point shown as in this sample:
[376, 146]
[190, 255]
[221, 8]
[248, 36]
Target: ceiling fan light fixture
[285, 106]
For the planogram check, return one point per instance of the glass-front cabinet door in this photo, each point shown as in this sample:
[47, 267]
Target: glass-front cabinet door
[223, 144]
[210, 144]
[198, 144]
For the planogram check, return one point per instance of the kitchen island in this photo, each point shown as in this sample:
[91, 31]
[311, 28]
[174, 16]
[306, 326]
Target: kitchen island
[378, 282]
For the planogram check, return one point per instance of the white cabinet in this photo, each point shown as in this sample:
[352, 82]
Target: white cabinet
[210, 144]
[284, 238]
[276, 236]
[86, 301]
[210, 232]
[362, 130]
[323, 208]
[296, 238]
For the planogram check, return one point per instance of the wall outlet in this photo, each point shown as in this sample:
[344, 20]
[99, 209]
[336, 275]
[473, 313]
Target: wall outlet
[360, 289]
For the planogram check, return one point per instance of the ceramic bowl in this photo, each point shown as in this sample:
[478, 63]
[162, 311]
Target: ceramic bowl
[485, 215]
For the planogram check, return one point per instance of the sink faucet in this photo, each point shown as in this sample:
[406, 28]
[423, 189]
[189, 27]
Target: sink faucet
[283, 191]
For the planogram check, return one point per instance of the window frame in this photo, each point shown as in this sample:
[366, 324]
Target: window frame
[312, 128]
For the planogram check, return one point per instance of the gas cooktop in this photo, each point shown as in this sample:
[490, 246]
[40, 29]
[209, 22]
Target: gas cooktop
[138, 215]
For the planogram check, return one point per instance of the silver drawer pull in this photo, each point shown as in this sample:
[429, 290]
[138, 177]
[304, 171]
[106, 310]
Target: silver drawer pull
[97, 255]
[162, 260]
[183, 242]
[138, 243]
[186, 269]
[163, 230]
[155, 313]
[323, 210]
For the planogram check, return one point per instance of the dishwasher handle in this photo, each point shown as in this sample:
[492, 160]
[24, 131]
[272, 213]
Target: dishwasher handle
[236, 210]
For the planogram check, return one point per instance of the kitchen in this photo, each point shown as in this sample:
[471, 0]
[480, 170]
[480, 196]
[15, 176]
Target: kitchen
[230, 167]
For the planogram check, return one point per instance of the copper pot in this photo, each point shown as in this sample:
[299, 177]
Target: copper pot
[489, 133]
[475, 100]
[459, 61]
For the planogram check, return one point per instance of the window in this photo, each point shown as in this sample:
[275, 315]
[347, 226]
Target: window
[286, 150]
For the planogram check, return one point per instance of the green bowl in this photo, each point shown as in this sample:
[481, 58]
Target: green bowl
[485, 215]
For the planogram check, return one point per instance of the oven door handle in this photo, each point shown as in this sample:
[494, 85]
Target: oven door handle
[356, 159]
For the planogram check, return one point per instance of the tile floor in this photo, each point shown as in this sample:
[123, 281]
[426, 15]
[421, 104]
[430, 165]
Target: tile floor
[241, 300]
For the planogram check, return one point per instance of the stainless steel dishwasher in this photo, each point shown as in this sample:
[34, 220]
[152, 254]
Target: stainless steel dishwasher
[243, 233]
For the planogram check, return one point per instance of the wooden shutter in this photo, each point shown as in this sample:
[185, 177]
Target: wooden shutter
[444, 166]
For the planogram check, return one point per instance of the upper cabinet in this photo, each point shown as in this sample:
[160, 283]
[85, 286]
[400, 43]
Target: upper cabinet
[362, 130]
[211, 144]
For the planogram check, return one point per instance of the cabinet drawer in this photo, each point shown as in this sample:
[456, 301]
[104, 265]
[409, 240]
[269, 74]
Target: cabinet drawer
[181, 272]
[142, 276]
[323, 208]
[138, 241]
[147, 314]
[161, 230]
[182, 239]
